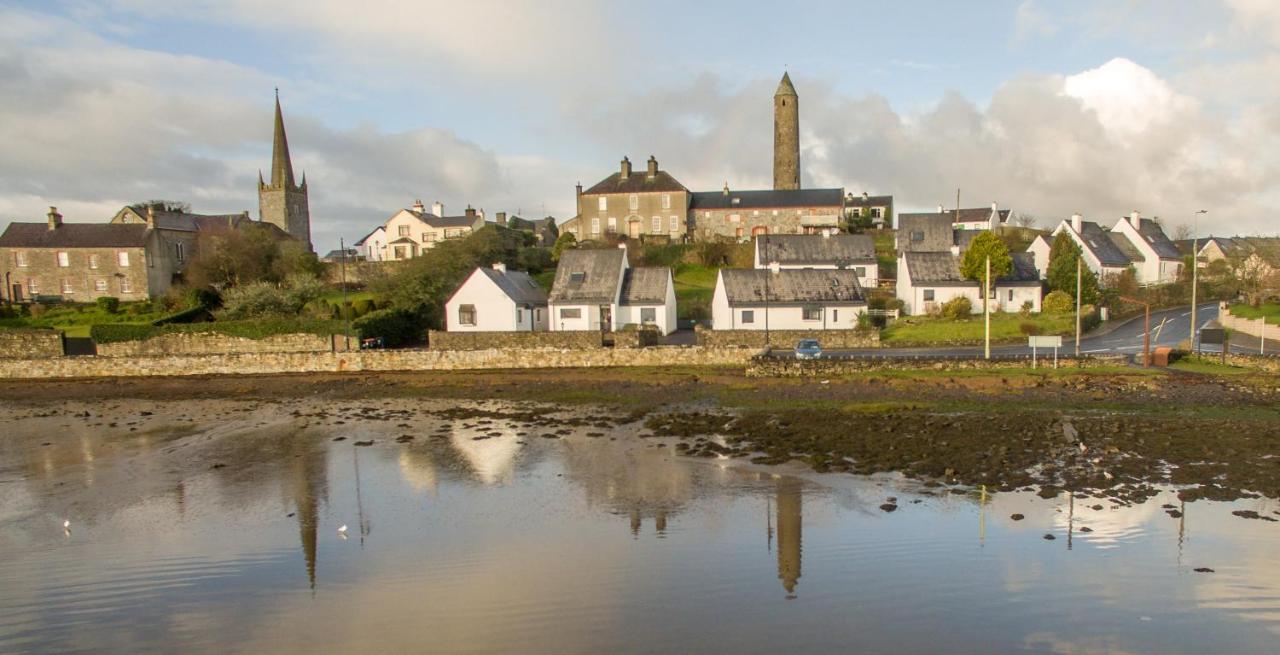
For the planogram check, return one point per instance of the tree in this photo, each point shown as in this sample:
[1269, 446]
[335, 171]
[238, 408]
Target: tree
[1026, 220]
[564, 242]
[1182, 232]
[974, 263]
[1061, 276]
[229, 257]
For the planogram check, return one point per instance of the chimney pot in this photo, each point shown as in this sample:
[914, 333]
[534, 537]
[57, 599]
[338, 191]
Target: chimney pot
[1135, 218]
[501, 218]
[500, 267]
[626, 167]
[726, 188]
[55, 219]
[1077, 221]
[865, 196]
[151, 216]
[653, 167]
[471, 212]
[775, 267]
[940, 209]
[418, 207]
[437, 208]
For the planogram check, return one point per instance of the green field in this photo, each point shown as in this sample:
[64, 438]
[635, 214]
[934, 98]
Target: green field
[1004, 327]
[1269, 310]
[75, 320]
[1206, 365]
[695, 285]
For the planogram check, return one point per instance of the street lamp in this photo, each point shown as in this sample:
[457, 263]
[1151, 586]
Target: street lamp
[1195, 269]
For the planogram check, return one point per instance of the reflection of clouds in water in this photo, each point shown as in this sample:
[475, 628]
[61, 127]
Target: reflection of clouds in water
[1110, 527]
[492, 458]
[633, 480]
[418, 470]
[1049, 642]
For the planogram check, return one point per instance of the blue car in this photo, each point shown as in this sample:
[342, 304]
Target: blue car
[808, 349]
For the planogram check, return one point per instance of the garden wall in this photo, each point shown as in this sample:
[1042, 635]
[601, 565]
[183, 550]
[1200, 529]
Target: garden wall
[1253, 326]
[766, 366]
[575, 339]
[211, 343]
[31, 344]
[830, 339]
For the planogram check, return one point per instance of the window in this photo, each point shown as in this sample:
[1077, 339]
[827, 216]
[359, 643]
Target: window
[835, 315]
[755, 212]
[577, 277]
[595, 226]
[812, 313]
[917, 235]
[748, 316]
[928, 295]
[428, 237]
[666, 201]
[466, 314]
[1010, 295]
[860, 271]
[877, 212]
[657, 224]
[675, 223]
[33, 287]
[64, 260]
[633, 202]
[519, 316]
[122, 258]
[566, 313]
[604, 203]
[147, 256]
[20, 258]
[403, 230]
[735, 218]
[93, 261]
[126, 285]
[399, 252]
[67, 289]
[179, 250]
[648, 315]
[613, 224]
[100, 284]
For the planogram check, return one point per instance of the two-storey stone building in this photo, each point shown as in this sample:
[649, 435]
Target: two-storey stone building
[743, 214]
[648, 204]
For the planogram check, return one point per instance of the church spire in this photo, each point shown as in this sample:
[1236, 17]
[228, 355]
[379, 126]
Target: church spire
[281, 166]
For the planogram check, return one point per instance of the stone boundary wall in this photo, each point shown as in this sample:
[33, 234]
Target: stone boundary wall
[761, 367]
[207, 343]
[831, 339]
[582, 339]
[263, 363]
[31, 344]
[1251, 326]
[1268, 363]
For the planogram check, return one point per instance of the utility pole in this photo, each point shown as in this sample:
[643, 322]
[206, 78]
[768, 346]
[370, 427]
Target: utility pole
[1146, 329]
[1195, 271]
[768, 273]
[1079, 275]
[986, 309]
[342, 247]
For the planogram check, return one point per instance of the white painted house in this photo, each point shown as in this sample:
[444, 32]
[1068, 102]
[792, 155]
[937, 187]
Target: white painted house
[596, 289]
[1134, 242]
[1158, 260]
[980, 218]
[1039, 250]
[928, 280]
[497, 300]
[856, 252]
[787, 299]
[411, 232]
[373, 246]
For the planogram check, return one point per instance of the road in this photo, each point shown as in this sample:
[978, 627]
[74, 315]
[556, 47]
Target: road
[1168, 328]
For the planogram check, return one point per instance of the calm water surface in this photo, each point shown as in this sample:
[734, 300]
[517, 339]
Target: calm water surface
[214, 527]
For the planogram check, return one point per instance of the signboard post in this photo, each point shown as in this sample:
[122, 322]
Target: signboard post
[1054, 342]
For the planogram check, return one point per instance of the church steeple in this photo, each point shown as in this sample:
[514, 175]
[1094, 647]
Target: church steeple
[281, 165]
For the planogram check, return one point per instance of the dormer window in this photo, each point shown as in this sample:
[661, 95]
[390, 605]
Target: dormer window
[577, 277]
[917, 235]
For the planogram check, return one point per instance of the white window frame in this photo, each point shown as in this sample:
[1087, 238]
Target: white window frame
[603, 203]
[402, 230]
[613, 224]
[122, 258]
[570, 313]
[666, 201]
[675, 223]
[93, 262]
[810, 313]
[467, 311]
[652, 315]
[180, 251]
[633, 201]
[100, 284]
[657, 224]
[595, 226]
[126, 285]
[64, 259]
[748, 317]
[20, 258]
[67, 288]
[33, 287]
[928, 295]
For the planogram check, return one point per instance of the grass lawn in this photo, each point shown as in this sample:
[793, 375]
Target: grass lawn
[545, 279]
[1206, 365]
[1004, 327]
[1269, 310]
[695, 284]
[75, 320]
[335, 296]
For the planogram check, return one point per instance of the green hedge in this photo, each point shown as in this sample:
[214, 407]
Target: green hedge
[396, 327]
[250, 329]
[185, 316]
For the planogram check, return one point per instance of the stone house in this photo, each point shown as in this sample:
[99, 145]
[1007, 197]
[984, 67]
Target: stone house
[856, 252]
[544, 231]
[497, 300]
[649, 204]
[744, 214]
[787, 299]
[877, 208]
[596, 289]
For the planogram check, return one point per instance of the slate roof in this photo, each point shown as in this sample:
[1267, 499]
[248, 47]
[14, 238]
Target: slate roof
[934, 229]
[934, 268]
[962, 238]
[1023, 273]
[766, 199]
[449, 221]
[518, 286]
[867, 201]
[184, 221]
[637, 182]
[600, 269]
[799, 249]
[371, 233]
[1157, 239]
[1125, 246]
[977, 214]
[74, 235]
[797, 286]
[645, 286]
[1100, 244]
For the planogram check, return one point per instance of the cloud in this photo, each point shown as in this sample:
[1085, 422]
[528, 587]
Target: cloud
[1031, 22]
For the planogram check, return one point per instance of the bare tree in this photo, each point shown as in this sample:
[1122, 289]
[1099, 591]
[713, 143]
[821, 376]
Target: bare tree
[1026, 220]
[1182, 232]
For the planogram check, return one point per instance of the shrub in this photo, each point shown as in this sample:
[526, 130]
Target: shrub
[37, 310]
[320, 309]
[256, 299]
[188, 315]
[1057, 302]
[362, 306]
[1029, 328]
[396, 327]
[207, 298]
[895, 303]
[346, 311]
[1027, 308]
[108, 304]
[957, 308]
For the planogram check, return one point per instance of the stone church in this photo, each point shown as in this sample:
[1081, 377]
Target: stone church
[282, 202]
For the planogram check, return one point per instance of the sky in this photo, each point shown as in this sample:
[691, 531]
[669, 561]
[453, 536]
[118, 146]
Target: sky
[1048, 108]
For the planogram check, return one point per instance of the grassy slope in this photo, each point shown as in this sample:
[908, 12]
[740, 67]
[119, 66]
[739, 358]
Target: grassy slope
[75, 320]
[1004, 327]
[1269, 310]
[695, 285]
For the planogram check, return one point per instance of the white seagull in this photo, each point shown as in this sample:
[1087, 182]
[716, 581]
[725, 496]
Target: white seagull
[342, 531]
[66, 524]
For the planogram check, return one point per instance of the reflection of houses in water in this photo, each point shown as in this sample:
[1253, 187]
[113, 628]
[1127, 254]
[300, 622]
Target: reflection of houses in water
[639, 483]
[418, 470]
[491, 458]
[306, 483]
[789, 521]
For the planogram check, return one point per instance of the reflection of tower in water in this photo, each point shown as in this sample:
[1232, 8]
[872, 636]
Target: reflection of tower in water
[789, 522]
[307, 484]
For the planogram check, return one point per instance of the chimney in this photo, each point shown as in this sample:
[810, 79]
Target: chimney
[653, 167]
[626, 168]
[481, 213]
[1135, 219]
[55, 219]
[501, 218]
[417, 206]
[471, 213]
[578, 197]
[151, 216]
[940, 209]
[1077, 221]
[865, 197]
[437, 208]
[775, 267]
[994, 221]
[500, 267]
[726, 188]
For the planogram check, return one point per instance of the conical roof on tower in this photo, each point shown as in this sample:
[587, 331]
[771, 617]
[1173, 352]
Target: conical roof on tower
[784, 87]
[281, 165]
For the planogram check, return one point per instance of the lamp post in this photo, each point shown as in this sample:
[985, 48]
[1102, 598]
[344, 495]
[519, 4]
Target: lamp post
[1195, 269]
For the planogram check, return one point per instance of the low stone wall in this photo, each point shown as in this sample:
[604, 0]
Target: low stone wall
[31, 344]
[580, 340]
[792, 368]
[1268, 363]
[213, 343]
[830, 339]
[367, 360]
[1252, 326]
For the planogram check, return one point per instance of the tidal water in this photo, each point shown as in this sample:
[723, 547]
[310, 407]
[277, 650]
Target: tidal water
[216, 529]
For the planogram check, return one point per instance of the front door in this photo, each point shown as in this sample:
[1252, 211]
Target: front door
[633, 229]
[606, 318]
[17, 293]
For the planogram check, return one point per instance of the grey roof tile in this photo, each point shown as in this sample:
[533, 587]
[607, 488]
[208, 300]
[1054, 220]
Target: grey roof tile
[1096, 240]
[645, 286]
[925, 232]
[588, 275]
[74, 235]
[746, 286]
[1157, 239]
[766, 199]
[518, 286]
[816, 249]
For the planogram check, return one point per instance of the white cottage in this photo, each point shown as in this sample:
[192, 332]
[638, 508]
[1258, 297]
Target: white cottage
[928, 280]
[596, 289]
[497, 300]
[787, 299]
[856, 252]
[1158, 260]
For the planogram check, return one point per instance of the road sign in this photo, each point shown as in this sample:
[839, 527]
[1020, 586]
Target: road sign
[1044, 342]
[1213, 336]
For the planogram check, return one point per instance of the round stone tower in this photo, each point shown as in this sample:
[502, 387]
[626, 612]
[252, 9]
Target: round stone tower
[786, 136]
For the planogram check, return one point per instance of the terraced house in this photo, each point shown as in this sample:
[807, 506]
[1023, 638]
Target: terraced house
[1133, 243]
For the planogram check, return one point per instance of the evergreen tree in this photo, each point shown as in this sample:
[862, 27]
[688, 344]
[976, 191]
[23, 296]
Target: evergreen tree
[1061, 275]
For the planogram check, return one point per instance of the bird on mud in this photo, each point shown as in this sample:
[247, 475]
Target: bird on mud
[66, 527]
[342, 531]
